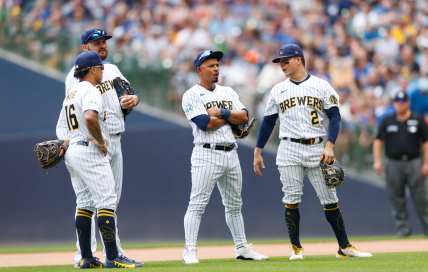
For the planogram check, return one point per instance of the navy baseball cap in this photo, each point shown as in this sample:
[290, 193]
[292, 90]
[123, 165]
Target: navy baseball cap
[94, 34]
[287, 51]
[207, 54]
[401, 97]
[87, 59]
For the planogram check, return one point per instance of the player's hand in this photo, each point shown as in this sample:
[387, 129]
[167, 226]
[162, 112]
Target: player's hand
[424, 169]
[64, 147]
[214, 111]
[128, 101]
[327, 156]
[102, 147]
[258, 164]
[378, 167]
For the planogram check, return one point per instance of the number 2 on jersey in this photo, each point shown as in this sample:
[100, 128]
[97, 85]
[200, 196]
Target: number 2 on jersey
[71, 117]
[314, 118]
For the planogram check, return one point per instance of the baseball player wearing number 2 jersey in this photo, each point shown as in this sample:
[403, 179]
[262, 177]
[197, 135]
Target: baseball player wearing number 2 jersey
[96, 40]
[302, 103]
[210, 108]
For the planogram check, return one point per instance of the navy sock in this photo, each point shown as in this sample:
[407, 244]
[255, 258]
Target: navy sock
[292, 219]
[334, 217]
[83, 228]
[107, 226]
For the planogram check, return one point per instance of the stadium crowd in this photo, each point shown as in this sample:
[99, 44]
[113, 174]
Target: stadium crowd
[368, 50]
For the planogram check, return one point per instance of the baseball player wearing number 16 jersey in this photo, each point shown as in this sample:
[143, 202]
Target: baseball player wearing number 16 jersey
[210, 108]
[302, 103]
[87, 161]
[96, 40]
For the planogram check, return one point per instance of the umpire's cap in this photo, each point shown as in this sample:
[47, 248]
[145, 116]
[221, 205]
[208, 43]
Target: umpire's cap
[87, 59]
[287, 51]
[94, 34]
[400, 96]
[207, 54]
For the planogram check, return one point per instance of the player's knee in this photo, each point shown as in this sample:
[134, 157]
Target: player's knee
[331, 206]
[236, 209]
[291, 206]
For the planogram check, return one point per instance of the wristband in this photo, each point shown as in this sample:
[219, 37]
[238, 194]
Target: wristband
[224, 114]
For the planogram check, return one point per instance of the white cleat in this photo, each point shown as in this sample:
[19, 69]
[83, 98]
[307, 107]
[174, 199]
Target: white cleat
[190, 255]
[247, 253]
[296, 253]
[351, 251]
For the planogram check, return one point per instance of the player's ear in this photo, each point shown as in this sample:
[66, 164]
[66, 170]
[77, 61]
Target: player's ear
[84, 47]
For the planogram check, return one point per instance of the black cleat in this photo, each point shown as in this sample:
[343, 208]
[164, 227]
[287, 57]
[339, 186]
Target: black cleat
[88, 263]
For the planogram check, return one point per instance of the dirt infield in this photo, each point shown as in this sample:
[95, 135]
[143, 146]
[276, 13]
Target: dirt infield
[216, 252]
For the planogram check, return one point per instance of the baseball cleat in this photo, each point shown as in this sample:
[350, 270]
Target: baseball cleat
[351, 251]
[190, 255]
[88, 263]
[120, 262]
[296, 253]
[248, 254]
[137, 263]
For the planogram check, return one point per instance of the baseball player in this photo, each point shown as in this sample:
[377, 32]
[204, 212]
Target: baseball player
[87, 161]
[303, 103]
[210, 108]
[95, 40]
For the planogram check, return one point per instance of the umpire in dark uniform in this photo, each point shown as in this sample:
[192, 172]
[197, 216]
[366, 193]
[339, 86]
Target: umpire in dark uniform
[404, 134]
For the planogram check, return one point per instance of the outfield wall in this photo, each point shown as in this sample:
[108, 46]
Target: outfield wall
[39, 206]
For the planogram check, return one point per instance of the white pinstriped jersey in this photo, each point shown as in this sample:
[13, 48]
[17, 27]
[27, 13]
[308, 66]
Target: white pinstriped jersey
[300, 107]
[81, 97]
[198, 99]
[114, 116]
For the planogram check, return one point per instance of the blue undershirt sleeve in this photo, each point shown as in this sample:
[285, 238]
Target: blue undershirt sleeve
[266, 129]
[333, 115]
[201, 121]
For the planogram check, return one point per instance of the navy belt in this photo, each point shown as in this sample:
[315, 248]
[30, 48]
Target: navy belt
[219, 147]
[309, 141]
[84, 143]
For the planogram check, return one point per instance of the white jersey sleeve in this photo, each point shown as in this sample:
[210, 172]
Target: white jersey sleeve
[118, 73]
[70, 80]
[92, 101]
[331, 98]
[271, 105]
[236, 103]
[61, 126]
[193, 105]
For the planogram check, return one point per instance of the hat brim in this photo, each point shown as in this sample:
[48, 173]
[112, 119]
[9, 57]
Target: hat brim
[105, 37]
[279, 58]
[218, 55]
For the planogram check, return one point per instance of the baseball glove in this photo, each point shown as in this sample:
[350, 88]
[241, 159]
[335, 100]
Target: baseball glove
[49, 153]
[333, 174]
[242, 131]
[123, 87]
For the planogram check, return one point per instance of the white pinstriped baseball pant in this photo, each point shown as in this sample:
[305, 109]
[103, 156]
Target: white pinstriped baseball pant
[211, 167]
[116, 163]
[294, 161]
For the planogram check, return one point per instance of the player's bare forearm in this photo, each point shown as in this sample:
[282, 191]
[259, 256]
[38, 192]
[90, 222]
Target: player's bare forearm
[258, 164]
[215, 122]
[328, 153]
[93, 125]
[238, 117]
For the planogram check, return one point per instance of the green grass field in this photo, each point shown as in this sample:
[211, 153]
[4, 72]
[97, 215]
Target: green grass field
[403, 262]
